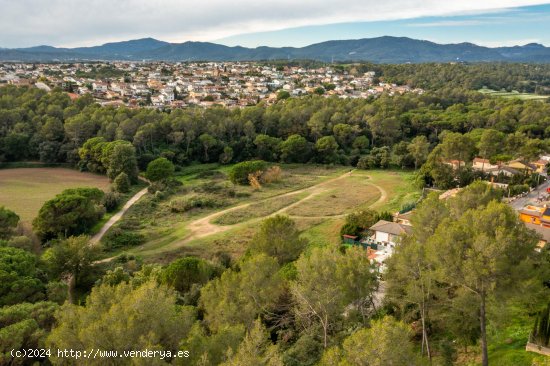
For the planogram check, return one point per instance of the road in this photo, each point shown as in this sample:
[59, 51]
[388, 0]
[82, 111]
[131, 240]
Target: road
[532, 197]
[113, 220]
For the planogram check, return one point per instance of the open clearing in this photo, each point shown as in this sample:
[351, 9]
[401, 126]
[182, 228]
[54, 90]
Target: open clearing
[513, 94]
[24, 190]
[338, 197]
[317, 198]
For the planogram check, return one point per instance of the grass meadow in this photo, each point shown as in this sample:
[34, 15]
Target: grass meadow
[316, 197]
[24, 190]
[513, 94]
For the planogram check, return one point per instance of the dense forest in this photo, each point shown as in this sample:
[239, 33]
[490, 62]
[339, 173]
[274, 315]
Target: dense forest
[287, 301]
[51, 128]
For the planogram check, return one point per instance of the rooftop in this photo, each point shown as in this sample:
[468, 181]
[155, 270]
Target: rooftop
[391, 227]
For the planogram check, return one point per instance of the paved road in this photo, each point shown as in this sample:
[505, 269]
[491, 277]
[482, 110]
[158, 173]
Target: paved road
[113, 220]
[532, 197]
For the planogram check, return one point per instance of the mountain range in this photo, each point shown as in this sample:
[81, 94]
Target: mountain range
[379, 50]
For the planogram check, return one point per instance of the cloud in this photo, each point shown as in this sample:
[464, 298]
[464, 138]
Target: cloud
[450, 23]
[90, 22]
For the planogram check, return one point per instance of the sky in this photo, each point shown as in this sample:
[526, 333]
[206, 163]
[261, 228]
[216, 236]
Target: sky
[251, 23]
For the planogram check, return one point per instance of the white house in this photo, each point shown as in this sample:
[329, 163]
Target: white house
[168, 95]
[483, 164]
[387, 233]
[100, 87]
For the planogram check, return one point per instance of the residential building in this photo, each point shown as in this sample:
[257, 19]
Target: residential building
[535, 215]
[483, 164]
[521, 165]
[387, 234]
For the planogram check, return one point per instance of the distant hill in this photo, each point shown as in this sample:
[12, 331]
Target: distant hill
[380, 50]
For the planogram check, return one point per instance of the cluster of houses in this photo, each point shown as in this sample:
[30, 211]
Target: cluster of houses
[177, 85]
[506, 169]
[381, 238]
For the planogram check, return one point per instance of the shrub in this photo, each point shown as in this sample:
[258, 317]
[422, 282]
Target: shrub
[253, 180]
[156, 187]
[180, 205]
[350, 228]
[160, 195]
[8, 222]
[213, 174]
[110, 201]
[406, 207]
[129, 224]
[518, 189]
[118, 238]
[239, 173]
[21, 242]
[224, 189]
[272, 174]
[122, 183]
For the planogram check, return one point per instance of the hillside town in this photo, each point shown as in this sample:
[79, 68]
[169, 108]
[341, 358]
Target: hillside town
[168, 85]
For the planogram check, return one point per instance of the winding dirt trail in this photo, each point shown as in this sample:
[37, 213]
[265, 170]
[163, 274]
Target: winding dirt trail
[203, 227]
[113, 220]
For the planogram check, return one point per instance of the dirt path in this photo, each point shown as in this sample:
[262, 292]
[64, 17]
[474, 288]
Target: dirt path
[203, 227]
[382, 199]
[383, 196]
[113, 220]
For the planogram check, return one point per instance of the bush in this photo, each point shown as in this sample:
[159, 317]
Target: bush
[350, 228]
[518, 189]
[213, 174]
[219, 188]
[406, 207]
[272, 174]
[185, 204]
[118, 238]
[8, 222]
[122, 183]
[110, 201]
[129, 224]
[21, 242]
[239, 173]
[156, 187]
[366, 162]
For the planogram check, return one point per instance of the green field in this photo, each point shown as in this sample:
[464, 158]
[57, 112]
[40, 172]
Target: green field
[316, 197]
[24, 190]
[513, 94]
